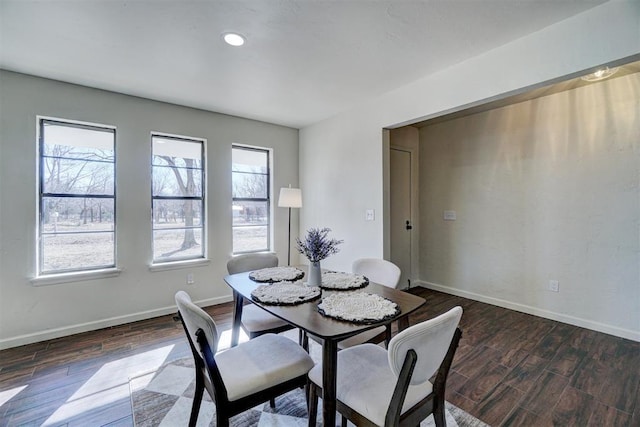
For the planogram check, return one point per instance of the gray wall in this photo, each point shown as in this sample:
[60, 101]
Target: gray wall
[30, 313]
[544, 189]
[343, 159]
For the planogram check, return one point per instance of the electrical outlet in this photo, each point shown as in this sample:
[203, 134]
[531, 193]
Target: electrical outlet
[554, 286]
[190, 280]
[449, 215]
[370, 215]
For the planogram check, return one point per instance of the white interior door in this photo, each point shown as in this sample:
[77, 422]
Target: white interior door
[400, 213]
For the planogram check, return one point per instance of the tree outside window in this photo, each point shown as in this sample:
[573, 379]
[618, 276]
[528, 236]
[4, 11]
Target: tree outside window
[251, 199]
[178, 198]
[77, 197]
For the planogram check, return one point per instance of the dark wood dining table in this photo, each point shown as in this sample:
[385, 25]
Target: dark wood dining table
[327, 330]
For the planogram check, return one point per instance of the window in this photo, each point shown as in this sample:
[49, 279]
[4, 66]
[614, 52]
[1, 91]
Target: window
[77, 214]
[178, 198]
[251, 199]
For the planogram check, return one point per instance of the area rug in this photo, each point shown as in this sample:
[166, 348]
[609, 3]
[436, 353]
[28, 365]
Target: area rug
[164, 398]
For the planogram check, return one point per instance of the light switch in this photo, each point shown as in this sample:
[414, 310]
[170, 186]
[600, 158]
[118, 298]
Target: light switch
[449, 215]
[370, 215]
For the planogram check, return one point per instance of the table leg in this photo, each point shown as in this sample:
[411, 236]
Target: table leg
[238, 302]
[329, 374]
[403, 323]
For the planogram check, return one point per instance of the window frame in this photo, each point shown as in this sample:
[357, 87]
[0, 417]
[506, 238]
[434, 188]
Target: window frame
[71, 274]
[158, 264]
[269, 224]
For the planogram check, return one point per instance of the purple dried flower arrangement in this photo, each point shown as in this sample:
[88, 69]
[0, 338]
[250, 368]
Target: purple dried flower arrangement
[317, 246]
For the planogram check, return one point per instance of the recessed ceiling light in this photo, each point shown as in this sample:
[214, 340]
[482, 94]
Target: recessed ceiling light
[601, 74]
[233, 39]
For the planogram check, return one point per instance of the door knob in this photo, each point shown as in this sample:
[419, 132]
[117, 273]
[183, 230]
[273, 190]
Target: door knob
[408, 225]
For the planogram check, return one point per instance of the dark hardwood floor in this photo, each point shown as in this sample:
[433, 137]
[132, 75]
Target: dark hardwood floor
[511, 369]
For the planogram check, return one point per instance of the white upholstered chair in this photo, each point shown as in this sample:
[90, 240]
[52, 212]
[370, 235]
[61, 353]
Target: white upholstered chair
[256, 321]
[378, 270]
[378, 387]
[244, 376]
[384, 273]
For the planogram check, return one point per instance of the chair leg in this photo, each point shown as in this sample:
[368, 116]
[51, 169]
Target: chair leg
[438, 413]
[344, 421]
[313, 404]
[272, 403]
[222, 420]
[303, 340]
[197, 399]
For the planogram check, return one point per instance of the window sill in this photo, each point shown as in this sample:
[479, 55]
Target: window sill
[176, 265]
[55, 279]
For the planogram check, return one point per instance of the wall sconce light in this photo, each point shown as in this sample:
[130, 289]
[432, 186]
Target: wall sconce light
[601, 74]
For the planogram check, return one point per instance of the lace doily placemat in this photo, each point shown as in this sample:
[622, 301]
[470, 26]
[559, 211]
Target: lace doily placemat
[276, 274]
[336, 280]
[285, 293]
[358, 307]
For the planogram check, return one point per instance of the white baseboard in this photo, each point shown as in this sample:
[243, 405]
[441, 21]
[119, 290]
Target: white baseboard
[560, 317]
[99, 324]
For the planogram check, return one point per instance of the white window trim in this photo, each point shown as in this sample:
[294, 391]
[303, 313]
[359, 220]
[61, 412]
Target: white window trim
[270, 231]
[80, 275]
[185, 263]
[177, 265]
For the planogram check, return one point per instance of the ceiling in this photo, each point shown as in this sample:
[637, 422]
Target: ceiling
[304, 60]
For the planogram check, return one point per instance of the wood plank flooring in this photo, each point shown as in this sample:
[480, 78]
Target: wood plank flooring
[511, 369]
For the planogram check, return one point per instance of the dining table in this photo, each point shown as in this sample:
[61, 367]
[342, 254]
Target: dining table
[328, 331]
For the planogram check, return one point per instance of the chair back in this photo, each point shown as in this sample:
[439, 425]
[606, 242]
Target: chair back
[250, 262]
[430, 340]
[195, 318]
[378, 270]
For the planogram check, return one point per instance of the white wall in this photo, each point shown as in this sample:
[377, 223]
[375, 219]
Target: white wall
[544, 189]
[29, 313]
[341, 158]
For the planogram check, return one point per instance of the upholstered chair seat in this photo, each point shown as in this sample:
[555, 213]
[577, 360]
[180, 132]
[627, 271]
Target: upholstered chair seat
[365, 383]
[261, 363]
[241, 377]
[372, 335]
[378, 387]
[256, 321]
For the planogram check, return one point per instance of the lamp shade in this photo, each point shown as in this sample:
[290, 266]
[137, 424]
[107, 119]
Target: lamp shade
[290, 198]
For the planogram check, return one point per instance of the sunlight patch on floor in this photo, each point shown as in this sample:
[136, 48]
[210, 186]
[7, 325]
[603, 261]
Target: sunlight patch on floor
[109, 384]
[7, 395]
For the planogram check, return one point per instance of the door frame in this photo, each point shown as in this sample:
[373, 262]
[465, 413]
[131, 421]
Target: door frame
[387, 144]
